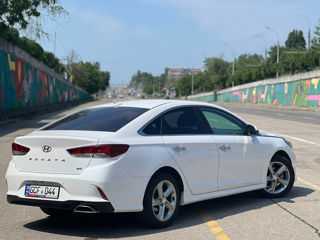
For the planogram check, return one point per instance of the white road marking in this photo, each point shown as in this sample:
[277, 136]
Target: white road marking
[280, 114]
[309, 118]
[299, 139]
[315, 187]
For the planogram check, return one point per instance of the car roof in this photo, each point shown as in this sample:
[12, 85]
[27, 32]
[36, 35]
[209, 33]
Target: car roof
[153, 103]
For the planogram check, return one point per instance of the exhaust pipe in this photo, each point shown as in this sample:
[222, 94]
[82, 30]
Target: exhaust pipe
[81, 208]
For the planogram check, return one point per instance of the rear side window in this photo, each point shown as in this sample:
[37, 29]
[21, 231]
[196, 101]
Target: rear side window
[108, 119]
[153, 128]
[181, 121]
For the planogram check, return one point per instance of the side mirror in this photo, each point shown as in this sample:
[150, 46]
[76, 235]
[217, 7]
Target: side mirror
[252, 130]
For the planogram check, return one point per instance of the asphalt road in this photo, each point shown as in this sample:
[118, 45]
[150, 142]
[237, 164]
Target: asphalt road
[244, 216]
[276, 113]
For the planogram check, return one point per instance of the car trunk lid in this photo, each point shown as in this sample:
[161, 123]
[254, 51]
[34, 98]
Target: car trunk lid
[48, 151]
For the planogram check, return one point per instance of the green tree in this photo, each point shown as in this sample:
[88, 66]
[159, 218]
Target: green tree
[89, 77]
[148, 89]
[25, 14]
[315, 41]
[218, 71]
[51, 61]
[141, 79]
[273, 53]
[247, 69]
[70, 61]
[295, 40]
[31, 47]
[183, 85]
[9, 34]
[104, 80]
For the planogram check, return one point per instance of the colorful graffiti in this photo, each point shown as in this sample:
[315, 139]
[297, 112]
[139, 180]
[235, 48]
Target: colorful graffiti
[297, 93]
[22, 85]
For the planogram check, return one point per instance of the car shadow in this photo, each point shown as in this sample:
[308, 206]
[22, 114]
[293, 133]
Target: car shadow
[123, 225]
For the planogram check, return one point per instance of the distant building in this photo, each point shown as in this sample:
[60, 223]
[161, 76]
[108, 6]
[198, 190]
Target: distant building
[178, 73]
[175, 74]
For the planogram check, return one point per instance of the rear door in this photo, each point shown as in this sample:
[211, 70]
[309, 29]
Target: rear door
[194, 150]
[240, 154]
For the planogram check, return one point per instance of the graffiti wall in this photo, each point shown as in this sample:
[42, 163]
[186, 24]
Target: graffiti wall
[296, 93]
[22, 85]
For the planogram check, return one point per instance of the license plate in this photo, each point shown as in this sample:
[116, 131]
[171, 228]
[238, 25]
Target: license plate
[42, 191]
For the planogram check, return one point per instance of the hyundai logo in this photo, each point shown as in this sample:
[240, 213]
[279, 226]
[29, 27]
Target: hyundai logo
[46, 148]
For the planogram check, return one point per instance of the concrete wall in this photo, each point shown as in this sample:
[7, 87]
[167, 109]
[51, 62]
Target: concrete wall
[26, 82]
[297, 90]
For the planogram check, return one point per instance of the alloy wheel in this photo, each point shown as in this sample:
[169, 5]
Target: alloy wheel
[164, 200]
[278, 178]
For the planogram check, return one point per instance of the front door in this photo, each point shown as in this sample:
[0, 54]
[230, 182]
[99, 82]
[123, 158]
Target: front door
[240, 155]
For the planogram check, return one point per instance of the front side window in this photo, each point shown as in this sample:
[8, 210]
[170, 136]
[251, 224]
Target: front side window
[222, 124]
[108, 119]
[181, 121]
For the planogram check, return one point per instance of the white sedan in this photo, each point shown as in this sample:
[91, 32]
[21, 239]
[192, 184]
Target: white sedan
[149, 156]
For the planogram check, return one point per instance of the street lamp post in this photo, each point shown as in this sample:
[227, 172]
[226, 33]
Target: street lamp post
[233, 54]
[305, 17]
[278, 45]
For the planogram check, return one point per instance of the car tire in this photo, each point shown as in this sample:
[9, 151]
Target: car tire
[280, 177]
[160, 211]
[56, 213]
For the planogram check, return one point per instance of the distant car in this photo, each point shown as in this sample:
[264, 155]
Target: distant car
[167, 97]
[149, 156]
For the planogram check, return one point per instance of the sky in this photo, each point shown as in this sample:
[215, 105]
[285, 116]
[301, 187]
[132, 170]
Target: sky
[149, 35]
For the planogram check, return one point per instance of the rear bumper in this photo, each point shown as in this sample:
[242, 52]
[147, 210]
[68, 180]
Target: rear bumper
[124, 193]
[104, 207]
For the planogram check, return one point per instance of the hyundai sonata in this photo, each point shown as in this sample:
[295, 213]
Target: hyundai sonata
[149, 156]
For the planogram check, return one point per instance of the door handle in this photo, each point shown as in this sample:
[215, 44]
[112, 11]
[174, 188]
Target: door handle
[178, 149]
[224, 148]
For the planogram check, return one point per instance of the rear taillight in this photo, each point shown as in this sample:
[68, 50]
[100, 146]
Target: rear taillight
[108, 151]
[18, 149]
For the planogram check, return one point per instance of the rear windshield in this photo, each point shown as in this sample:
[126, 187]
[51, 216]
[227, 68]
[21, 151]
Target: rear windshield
[108, 119]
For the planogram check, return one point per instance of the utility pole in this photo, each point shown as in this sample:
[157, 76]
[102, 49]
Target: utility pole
[278, 45]
[55, 34]
[233, 66]
[309, 37]
[234, 58]
[192, 82]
